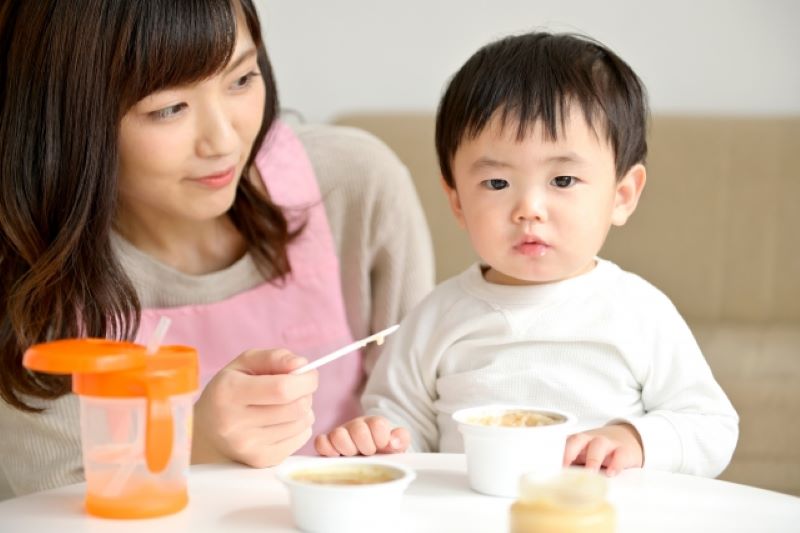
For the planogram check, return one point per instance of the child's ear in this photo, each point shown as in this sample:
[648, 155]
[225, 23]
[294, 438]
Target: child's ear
[629, 189]
[454, 201]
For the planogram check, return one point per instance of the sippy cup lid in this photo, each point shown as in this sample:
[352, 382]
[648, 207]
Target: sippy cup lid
[102, 367]
[74, 356]
[172, 370]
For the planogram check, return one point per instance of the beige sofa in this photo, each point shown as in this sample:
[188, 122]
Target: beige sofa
[718, 230]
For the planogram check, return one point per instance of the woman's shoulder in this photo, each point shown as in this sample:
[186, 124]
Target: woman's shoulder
[343, 156]
[329, 138]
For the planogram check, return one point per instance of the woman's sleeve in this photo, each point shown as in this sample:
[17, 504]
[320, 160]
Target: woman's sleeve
[382, 238]
[40, 451]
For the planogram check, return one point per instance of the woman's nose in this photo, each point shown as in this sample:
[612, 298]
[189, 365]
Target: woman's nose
[217, 135]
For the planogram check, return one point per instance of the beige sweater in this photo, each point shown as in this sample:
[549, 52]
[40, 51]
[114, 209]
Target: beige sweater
[386, 264]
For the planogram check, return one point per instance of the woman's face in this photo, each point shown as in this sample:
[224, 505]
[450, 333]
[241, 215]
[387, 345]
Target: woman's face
[182, 150]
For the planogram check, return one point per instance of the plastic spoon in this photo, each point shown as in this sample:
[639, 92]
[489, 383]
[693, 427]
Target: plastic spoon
[377, 337]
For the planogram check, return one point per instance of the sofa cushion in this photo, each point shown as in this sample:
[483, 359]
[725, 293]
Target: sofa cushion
[758, 366]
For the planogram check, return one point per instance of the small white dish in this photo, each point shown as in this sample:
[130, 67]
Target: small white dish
[323, 507]
[498, 455]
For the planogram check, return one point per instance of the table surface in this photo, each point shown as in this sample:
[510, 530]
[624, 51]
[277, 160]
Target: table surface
[237, 498]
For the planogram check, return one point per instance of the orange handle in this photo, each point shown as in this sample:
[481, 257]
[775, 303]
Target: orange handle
[158, 430]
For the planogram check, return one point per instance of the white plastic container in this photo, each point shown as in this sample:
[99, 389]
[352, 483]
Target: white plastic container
[341, 508]
[498, 455]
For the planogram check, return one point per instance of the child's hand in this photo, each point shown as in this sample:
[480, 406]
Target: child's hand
[614, 447]
[365, 435]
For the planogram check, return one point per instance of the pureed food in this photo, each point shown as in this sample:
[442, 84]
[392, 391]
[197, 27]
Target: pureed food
[348, 475]
[517, 418]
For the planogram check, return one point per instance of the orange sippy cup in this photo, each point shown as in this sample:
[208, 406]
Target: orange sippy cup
[136, 421]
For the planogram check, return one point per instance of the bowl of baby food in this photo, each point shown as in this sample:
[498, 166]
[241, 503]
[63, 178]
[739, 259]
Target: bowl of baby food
[503, 442]
[344, 494]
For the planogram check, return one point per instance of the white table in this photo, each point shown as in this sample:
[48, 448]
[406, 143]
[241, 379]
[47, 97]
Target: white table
[234, 498]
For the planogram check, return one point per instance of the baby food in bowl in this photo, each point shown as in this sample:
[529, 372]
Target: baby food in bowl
[502, 442]
[518, 418]
[344, 494]
[348, 474]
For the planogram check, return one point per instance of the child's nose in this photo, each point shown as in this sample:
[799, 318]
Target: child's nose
[531, 207]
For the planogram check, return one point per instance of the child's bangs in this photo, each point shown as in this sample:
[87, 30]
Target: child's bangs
[523, 104]
[176, 42]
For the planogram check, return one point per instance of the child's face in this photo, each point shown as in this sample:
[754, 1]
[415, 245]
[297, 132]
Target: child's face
[538, 211]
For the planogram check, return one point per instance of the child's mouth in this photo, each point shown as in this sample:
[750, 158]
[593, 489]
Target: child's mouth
[533, 248]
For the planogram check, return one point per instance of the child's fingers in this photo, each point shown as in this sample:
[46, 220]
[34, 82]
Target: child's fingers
[398, 442]
[381, 431]
[597, 450]
[342, 442]
[614, 463]
[324, 447]
[574, 448]
[361, 436]
[619, 460]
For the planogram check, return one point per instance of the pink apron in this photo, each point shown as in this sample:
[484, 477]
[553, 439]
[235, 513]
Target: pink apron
[306, 314]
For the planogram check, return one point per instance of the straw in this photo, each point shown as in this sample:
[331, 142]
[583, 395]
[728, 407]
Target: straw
[125, 471]
[158, 335]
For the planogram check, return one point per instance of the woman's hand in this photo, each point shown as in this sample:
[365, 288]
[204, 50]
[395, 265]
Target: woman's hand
[253, 412]
[615, 447]
[365, 435]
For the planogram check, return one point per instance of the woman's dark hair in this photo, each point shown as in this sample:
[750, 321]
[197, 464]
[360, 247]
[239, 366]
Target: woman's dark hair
[69, 71]
[536, 77]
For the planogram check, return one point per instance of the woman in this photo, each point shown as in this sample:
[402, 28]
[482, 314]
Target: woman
[143, 173]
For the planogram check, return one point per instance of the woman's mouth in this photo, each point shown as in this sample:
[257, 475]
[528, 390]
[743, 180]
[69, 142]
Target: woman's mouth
[218, 180]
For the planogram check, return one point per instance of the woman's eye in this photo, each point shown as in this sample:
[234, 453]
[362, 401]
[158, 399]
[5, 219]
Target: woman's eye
[168, 112]
[244, 81]
[563, 182]
[495, 184]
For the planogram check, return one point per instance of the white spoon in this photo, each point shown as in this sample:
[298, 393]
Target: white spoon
[377, 337]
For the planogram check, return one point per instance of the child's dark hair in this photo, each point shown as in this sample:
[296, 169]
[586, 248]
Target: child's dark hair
[535, 77]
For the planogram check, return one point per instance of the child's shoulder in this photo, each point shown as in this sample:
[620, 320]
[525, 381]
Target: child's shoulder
[450, 295]
[449, 292]
[443, 309]
[631, 289]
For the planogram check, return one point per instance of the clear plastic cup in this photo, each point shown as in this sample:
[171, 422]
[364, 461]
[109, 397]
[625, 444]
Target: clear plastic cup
[136, 421]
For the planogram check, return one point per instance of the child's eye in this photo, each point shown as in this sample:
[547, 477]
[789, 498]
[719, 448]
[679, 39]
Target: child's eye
[244, 81]
[168, 112]
[495, 184]
[564, 182]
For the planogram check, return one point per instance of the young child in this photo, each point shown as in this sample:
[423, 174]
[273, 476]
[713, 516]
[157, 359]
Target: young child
[541, 144]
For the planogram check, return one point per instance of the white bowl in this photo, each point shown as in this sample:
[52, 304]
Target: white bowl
[322, 508]
[498, 455]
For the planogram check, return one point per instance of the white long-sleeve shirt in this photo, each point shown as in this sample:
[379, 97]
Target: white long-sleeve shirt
[605, 346]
